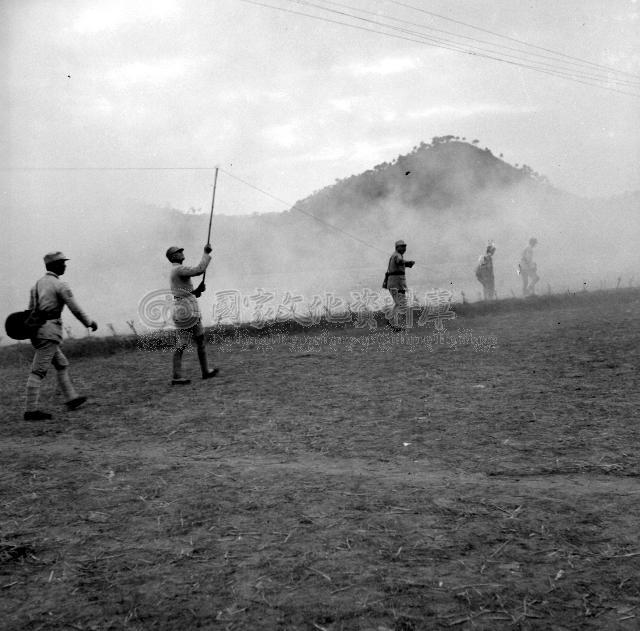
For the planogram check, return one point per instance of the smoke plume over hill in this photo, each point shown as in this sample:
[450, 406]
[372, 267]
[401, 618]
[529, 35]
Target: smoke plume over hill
[446, 199]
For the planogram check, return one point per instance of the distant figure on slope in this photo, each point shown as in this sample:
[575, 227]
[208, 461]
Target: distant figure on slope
[186, 313]
[396, 282]
[484, 273]
[528, 270]
[48, 297]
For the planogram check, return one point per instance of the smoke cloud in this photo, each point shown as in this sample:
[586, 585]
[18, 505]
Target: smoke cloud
[445, 211]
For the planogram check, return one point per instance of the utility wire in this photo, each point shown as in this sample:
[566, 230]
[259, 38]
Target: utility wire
[584, 66]
[452, 45]
[287, 204]
[316, 218]
[304, 212]
[513, 39]
[107, 168]
[456, 46]
[422, 39]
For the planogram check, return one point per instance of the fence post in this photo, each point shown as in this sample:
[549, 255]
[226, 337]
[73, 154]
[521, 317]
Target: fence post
[132, 327]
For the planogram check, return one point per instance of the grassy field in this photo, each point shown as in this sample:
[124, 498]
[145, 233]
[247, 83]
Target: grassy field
[336, 479]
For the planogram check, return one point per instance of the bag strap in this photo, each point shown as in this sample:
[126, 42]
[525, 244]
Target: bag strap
[36, 308]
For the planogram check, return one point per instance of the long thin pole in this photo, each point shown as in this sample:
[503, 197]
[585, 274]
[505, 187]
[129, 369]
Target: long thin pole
[213, 199]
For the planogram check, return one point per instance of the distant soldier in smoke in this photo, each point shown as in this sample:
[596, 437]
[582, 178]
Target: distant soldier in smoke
[48, 297]
[186, 315]
[395, 281]
[528, 270]
[484, 273]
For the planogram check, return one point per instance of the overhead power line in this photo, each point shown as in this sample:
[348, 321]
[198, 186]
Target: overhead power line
[103, 168]
[296, 208]
[513, 39]
[285, 203]
[327, 224]
[571, 63]
[561, 71]
[374, 26]
[579, 76]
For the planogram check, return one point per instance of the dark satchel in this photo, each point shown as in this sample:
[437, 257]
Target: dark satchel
[384, 282]
[23, 325]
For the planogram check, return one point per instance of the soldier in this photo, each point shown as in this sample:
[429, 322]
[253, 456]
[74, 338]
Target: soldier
[49, 296]
[528, 270]
[396, 282]
[186, 315]
[484, 273]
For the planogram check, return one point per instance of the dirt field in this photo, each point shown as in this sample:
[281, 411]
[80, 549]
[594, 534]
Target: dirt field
[340, 480]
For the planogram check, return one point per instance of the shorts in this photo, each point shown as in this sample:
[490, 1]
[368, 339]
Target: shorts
[47, 352]
[185, 335]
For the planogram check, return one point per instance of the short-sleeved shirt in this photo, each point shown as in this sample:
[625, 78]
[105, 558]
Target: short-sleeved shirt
[53, 295]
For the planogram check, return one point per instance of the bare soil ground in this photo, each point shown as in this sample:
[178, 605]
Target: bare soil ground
[346, 479]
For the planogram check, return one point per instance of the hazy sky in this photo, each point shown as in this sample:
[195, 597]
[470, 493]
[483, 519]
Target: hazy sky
[290, 103]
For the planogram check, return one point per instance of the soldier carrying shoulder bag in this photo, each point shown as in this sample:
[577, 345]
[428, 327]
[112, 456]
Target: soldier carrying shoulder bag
[23, 325]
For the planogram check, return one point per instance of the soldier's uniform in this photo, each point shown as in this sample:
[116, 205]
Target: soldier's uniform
[528, 270]
[186, 312]
[50, 295]
[484, 273]
[396, 283]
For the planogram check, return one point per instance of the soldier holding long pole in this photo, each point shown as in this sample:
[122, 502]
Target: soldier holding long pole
[186, 315]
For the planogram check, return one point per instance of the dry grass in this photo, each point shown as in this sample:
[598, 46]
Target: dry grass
[332, 480]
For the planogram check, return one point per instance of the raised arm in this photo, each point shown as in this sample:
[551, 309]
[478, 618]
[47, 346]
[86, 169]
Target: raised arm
[186, 271]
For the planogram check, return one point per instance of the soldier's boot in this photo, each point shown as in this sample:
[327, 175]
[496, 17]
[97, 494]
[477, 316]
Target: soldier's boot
[75, 403]
[178, 379]
[71, 397]
[32, 413]
[210, 373]
[37, 415]
[207, 372]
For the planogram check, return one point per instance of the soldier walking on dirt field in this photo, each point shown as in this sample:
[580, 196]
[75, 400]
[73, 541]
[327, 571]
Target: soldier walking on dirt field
[186, 313]
[528, 270]
[48, 297]
[484, 273]
[395, 281]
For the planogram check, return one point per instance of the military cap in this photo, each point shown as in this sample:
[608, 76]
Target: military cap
[400, 242]
[173, 250]
[50, 257]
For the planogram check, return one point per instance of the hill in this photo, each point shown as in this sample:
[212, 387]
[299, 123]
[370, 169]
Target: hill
[440, 175]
